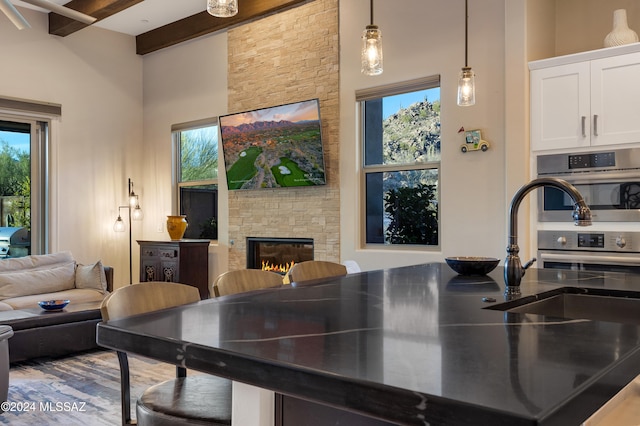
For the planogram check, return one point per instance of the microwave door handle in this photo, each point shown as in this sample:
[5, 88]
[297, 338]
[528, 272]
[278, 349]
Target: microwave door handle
[606, 260]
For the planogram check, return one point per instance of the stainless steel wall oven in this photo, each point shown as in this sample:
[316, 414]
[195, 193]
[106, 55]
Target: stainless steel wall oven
[609, 181]
[613, 251]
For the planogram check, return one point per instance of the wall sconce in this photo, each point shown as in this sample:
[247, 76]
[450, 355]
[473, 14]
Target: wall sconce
[466, 81]
[371, 54]
[134, 213]
[222, 8]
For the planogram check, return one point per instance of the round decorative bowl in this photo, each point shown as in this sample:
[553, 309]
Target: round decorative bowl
[53, 305]
[472, 265]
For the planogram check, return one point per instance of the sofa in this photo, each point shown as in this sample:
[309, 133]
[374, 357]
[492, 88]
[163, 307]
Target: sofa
[27, 280]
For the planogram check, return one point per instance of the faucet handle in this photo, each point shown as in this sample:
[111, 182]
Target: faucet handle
[529, 263]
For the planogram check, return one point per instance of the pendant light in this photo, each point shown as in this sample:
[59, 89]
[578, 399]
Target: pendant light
[222, 8]
[371, 54]
[466, 81]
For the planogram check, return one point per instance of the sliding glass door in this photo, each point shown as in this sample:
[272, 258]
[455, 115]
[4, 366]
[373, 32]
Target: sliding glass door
[23, 177]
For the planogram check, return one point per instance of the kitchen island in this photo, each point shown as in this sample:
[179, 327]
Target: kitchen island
[410, 345]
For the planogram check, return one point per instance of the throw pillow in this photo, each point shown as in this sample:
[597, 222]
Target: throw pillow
[35, 261]
[38, 281]
[91, 276]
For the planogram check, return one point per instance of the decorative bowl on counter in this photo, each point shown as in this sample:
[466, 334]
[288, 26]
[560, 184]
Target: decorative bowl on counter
[53, 305]
[472, 265]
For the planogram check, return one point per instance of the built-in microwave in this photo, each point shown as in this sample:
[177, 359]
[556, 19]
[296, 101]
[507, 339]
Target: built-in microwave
[609, 181]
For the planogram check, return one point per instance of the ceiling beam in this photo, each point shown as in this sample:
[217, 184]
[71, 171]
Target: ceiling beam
[99, 9]
[202, 23]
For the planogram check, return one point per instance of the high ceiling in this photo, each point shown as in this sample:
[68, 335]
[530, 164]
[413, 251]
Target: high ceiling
[157, 24]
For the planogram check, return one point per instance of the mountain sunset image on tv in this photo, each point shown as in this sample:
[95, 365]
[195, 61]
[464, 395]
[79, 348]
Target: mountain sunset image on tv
[274, 147]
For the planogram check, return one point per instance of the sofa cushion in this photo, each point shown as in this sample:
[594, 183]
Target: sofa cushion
[35, 262]
[91, 276]
[5, 307]
[36, 281]
[76, 295]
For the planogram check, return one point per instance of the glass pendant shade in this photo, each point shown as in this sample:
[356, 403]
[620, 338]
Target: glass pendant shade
[136, 213]
[371, 50]
[119, 225]
[222, 8]
[466, 87]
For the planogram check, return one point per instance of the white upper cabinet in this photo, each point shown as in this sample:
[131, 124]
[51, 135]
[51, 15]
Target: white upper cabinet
[578, 102]
[560, 107]
[615, 100]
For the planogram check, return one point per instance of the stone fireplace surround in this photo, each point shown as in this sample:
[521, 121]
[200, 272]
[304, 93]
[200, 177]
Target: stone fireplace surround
[288, 57]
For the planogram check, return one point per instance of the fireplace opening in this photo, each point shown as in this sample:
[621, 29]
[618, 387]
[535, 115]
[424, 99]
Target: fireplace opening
[277, 254]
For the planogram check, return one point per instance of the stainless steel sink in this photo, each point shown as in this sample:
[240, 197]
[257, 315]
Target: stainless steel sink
[579, 303]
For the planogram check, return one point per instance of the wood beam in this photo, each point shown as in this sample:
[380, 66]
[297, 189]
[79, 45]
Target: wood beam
[100, 9]
[202, 23]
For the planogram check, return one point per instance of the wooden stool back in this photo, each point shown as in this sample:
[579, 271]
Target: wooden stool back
[315, 269]
[241, 280]
[146, 297]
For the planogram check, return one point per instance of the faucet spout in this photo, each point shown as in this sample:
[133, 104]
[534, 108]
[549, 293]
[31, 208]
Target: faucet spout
[514, 271]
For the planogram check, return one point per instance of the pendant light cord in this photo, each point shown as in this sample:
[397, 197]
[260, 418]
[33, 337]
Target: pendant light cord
[466, 27]
[371, 9]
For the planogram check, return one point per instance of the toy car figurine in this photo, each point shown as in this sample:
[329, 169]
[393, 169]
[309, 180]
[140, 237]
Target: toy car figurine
[474, 142]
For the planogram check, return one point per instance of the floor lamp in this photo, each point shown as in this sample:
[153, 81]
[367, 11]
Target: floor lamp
[134, 213]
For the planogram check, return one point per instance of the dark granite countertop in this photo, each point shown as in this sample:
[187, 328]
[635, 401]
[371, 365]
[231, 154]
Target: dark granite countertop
[411, 345]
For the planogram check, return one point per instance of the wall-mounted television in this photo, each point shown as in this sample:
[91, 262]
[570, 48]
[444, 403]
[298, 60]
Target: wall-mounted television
[274, 147]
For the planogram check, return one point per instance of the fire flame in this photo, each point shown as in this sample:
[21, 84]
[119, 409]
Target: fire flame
[283, 269]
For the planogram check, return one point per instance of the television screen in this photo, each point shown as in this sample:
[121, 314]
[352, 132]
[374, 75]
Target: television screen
[274, 147]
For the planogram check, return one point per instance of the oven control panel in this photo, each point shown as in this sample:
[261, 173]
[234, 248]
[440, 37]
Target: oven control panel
[592, 160]
[611, 241]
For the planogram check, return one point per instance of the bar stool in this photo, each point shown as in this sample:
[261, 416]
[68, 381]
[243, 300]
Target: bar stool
[198, 400]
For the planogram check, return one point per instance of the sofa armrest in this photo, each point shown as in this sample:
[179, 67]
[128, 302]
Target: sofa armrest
[108, 271]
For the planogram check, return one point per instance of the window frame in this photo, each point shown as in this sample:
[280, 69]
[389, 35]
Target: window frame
[176, 130]
[379, 92]
[39, 115]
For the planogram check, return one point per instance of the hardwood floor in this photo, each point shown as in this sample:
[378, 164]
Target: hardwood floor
[78, 390]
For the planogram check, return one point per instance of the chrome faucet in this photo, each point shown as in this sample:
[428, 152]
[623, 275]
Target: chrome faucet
[513, 269]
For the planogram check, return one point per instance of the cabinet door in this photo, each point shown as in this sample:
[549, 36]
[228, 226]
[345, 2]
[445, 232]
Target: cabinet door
[169, 271]
[560, 107]
[615, 100]
[149, 270]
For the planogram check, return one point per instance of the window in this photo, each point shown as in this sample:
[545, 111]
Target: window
[196, 175]
[23, 181]
[401, 162]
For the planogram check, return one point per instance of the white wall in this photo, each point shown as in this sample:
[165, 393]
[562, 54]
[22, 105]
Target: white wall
[422, 38]
[182, 83]
[97, 78]
[107, 91]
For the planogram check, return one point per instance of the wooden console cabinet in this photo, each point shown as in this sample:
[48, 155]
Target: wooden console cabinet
[183, 261]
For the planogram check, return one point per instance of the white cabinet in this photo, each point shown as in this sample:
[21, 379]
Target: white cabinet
[560, 105]
[615, 100]
[579, 103]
